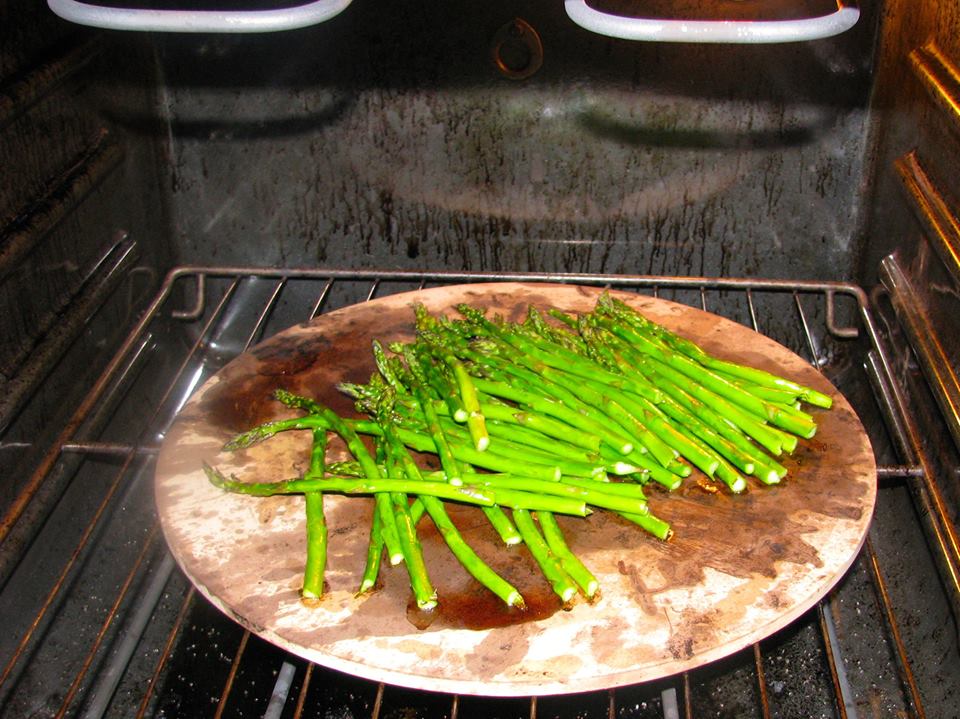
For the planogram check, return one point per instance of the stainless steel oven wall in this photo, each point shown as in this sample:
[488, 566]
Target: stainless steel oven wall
[914, 218]
[388, 137]
[913, 226]
[80, 207]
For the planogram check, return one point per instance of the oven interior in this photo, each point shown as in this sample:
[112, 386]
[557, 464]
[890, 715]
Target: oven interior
[172, 199]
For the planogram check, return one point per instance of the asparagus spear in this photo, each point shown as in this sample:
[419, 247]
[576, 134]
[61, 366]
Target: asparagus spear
[757, 376]
[568, 560]
[495, 515]
[316, 525]
[563, 585]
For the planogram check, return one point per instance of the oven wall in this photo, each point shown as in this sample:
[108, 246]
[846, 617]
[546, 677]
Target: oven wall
[81, 205]
[913, 224]
[917, 80]
[388, 138]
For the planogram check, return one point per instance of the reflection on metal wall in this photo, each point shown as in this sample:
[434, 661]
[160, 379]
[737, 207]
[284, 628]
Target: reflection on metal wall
[396, 141]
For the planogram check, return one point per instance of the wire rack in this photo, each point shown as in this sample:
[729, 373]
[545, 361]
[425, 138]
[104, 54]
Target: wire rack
[102, 623]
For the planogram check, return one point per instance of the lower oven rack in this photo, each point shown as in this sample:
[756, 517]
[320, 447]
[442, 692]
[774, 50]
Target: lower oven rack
[103, 624]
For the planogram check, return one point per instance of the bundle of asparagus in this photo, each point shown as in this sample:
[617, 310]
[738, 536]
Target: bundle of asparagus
[539, 418]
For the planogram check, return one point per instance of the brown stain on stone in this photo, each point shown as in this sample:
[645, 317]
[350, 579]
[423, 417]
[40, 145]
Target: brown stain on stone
[695, 630]
[464, 602]
[641, 592]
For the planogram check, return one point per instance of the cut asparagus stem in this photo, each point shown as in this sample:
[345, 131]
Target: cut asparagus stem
[563, 585]
[316, 561]
[461, 550]
[584, 578]
[452, 470]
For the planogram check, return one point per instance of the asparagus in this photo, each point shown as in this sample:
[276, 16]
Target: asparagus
[316, 525]
[371, 568]
[563, 585]
[568, 560]
[556, 409]
[590, 495]
[468, 396]
[454, 540]
[423, 592]
[533, 417]
[495, 515]
[754, 375]
[352, 485]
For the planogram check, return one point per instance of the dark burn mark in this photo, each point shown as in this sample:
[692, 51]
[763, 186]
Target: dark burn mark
[311, 363]
[235, 406]
[472, 606]
[640, 590]
[464, 602]
[290, 355]
[681, 648]
[741, 536]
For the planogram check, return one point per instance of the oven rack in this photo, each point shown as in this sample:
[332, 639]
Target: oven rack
[128, 632]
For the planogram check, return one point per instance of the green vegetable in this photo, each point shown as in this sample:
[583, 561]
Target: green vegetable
[534, 417]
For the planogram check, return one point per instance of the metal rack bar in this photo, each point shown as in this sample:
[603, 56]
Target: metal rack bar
[321, 299]
[63, 329]
[165, 652]
[107, 680]
[107, 622]
[377, 702]
[107, 449]
[926, 492]
[761, 682]
[906, 672]
[827, 629]
[58, 585]
[442, 276]
[302, 694]
[116, 366]
[92, 525]
[933, 357]
[841, 691]
[232, 676]
[61, 471]
[281, 690]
